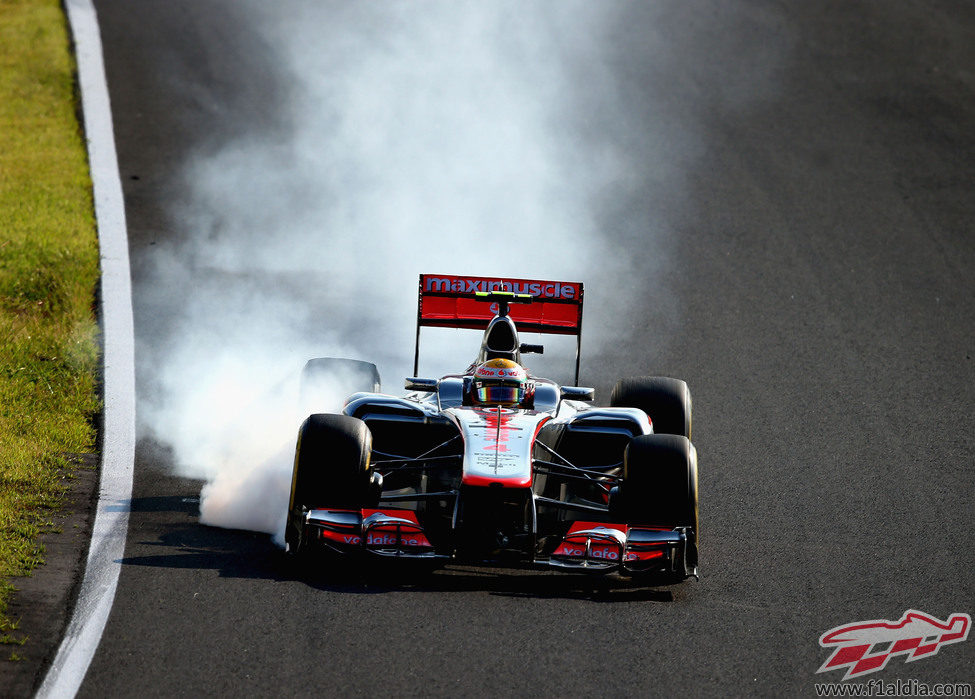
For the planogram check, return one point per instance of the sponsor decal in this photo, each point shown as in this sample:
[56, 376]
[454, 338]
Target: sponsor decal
[450, 302]
[384, 538]
[605, 552]
[471, 285]
[484, 372]
[407, 534]
[863, 647]
[597, 551]
[586, 541]
[337, 537]
[497, 445]
[497, 425]
[492, 413]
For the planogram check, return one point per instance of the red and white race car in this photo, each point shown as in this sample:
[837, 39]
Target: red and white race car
[494, 464]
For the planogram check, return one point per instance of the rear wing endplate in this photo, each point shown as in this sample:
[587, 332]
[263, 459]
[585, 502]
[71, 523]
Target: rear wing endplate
[447, 301]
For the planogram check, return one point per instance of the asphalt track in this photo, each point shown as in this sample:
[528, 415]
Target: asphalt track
[821, 305]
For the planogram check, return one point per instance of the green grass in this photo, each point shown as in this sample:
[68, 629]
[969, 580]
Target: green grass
[48, 273]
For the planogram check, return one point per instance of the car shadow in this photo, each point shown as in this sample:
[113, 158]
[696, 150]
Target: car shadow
[244, 554]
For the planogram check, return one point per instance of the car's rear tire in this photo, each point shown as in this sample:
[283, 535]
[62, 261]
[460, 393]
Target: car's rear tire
[327, 381]
[666, 401]
[331, 469]
[659, 486]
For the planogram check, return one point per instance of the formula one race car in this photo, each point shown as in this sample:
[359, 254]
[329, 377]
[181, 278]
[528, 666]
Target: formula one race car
[494, 464]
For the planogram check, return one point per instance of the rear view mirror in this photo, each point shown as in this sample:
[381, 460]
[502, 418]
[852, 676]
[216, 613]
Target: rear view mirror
[416, 384]
[578, 393]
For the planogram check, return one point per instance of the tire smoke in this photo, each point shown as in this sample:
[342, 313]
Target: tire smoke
[456, 138]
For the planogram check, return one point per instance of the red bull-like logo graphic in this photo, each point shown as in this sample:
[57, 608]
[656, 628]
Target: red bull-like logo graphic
[865, 646]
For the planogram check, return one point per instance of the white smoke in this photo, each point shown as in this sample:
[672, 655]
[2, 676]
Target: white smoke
[438, 138]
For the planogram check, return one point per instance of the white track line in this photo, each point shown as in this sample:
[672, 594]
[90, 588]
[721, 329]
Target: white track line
[107, 548]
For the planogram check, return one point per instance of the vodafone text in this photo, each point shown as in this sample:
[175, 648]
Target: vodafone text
[386, 539]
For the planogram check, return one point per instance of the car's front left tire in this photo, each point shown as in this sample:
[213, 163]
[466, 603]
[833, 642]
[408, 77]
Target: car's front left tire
[331, 469]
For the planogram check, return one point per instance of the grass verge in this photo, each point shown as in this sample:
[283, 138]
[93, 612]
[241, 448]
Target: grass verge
[48, 274]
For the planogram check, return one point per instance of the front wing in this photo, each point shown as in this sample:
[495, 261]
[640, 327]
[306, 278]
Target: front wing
[590, 547]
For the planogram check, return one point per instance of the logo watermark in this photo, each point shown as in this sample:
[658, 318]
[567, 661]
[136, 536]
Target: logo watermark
[863, 647]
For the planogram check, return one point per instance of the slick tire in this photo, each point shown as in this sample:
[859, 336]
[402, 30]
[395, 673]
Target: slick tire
[327, 381]
[659, 485]
[331, 469]
[667, 402]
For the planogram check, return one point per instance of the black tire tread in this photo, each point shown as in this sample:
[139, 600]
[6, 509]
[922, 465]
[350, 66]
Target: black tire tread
[665, 400]
[660, 481]
[331, 462]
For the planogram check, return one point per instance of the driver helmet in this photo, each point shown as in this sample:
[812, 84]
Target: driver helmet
[500, 382]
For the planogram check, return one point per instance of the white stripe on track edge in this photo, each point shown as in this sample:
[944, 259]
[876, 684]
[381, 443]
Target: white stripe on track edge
[108, 534]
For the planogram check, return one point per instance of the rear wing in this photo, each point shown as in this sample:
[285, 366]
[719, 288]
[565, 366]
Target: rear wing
[447, 301]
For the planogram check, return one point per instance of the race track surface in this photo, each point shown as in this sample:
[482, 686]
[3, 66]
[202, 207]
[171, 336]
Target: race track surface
[787, 225]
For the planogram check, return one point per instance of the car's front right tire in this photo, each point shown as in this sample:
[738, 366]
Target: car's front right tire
[659, 486]
[666, 401]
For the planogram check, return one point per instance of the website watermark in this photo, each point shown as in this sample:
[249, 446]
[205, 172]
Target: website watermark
[893, 688]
